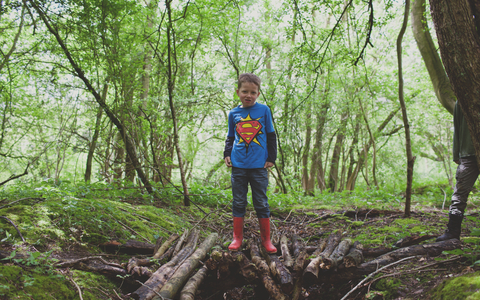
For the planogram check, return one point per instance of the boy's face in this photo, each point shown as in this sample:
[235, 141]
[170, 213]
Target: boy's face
[248, 93]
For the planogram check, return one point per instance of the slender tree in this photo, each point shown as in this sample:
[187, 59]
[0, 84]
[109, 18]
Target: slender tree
[401, 98]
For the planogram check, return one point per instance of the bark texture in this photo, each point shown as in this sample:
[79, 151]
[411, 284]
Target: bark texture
[458, 32]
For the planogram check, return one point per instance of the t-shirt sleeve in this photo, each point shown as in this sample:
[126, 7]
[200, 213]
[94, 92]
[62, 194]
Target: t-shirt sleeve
[269, 121]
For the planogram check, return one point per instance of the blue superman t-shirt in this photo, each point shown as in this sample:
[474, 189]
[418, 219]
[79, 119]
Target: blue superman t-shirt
[250, 126]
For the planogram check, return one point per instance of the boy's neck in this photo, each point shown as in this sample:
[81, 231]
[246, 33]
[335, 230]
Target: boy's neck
[241, 106]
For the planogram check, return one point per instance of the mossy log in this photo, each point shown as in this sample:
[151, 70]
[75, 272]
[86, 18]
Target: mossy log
[163, 248]
[264, 273]
[433, 249]
[287, 257]
[190, 289]
[160, 277]
[279, 271]
[176, 282]
[355, 256]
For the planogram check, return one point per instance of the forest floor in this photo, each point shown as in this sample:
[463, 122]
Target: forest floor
[419, 278]
[375, 229]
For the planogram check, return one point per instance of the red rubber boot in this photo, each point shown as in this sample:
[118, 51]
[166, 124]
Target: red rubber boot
[265, 235]
[237, 234]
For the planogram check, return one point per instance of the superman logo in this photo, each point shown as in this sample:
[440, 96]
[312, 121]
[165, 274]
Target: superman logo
[248, 130]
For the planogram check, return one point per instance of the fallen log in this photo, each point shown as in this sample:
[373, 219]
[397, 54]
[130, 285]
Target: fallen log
[375, 252]
[165, 246]
[296, 245]
[298, 274]
[188, 292]
[103, 269]
[130, 247]
[355, 257]
[224, 265]
[158, 244]
[279, 271]
[138, 267]
[160, 277]
[324, 250]
[287, 257]
[165, 257]
[181, 241]
[337, 255]
[192, 239]
[264, 273]
[413, 240]
[176, 282]
[433, 249]
[247, 269]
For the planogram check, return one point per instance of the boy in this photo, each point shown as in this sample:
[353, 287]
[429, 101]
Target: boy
[467, 173]
[250, 149]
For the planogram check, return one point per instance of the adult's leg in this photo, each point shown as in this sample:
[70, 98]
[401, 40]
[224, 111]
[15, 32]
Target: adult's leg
[466, 175]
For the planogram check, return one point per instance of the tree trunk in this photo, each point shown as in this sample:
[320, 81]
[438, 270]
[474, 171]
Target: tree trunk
[441, 85]
[408, 145]
[457, 23]
[335, 162]
[171, 47]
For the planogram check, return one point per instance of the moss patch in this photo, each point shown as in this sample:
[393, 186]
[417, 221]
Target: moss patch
[462, 287]
[17, 283]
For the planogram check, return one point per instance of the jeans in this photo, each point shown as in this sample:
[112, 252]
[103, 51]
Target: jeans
[467, 173]
[258, 179]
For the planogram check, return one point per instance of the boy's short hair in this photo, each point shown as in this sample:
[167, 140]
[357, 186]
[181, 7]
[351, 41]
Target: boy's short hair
[249, 77]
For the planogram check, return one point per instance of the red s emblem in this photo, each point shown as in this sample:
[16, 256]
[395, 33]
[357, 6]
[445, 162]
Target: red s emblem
[248, 130]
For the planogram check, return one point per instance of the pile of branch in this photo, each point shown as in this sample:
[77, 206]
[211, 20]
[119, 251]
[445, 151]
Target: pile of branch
[177, 267]
[335, 260]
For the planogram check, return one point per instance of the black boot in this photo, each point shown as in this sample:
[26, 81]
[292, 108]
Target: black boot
[454, 228]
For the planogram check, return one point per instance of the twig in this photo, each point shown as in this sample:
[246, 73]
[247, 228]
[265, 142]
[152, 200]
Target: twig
[78, 288]
[373, 273]
[444, 199]
[14, 226]
[75, 261]
[117, 294]
[284, 220]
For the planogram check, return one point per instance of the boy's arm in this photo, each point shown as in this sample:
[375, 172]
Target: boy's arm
[272, 147]
[228, 150]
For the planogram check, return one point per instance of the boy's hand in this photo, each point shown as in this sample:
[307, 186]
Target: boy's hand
[228, 162]
[268, 164]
